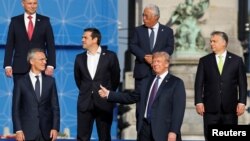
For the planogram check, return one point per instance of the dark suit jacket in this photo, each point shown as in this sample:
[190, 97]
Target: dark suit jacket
[139, 46]
[167, 110]
[18, 43]
[107, 74]
[30, 114]
[226, 90]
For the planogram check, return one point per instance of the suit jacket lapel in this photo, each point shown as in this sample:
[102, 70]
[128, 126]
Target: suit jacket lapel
[163, 86]
[159, 35]
[146, 37]
[85, 66]
[100, 62]
[30, 86]
[146, 90]
[37, 25]
[23, 27]
[214, 63]
[227, 62]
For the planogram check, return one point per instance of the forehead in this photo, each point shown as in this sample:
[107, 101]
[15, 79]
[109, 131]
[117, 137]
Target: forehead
[216, 37]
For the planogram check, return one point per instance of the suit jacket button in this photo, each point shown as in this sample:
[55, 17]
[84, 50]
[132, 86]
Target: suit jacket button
[92, 92]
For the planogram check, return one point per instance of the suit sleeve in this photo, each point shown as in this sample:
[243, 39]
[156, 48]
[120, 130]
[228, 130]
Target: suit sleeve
[199, 83]
[9, 48]
[77, 74]
[115, 71]
[16, 100]
[242, 80]
[124, 98]
[55, 107]
[135, 47]
[50, 45]
[169, 48]
[179, 104]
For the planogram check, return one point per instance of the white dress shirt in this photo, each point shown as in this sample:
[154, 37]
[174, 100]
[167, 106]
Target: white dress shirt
[92, 61]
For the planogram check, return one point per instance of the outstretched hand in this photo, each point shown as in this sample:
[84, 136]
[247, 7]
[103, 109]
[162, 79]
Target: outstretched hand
[103, 92]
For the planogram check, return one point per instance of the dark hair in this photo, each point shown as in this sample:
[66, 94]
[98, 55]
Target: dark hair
[95, 33]
[222, 34]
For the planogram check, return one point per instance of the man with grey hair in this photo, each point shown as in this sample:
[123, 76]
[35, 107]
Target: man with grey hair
[147, 39]
[35, 105]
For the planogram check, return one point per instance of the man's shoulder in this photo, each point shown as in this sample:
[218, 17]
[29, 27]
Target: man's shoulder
[108, 52]
[42, 16]
[17, 17]
[161, 26]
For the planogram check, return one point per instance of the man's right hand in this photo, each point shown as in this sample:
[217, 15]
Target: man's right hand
[20, 136]
[8, 72]
[103, 92]
[148, 58]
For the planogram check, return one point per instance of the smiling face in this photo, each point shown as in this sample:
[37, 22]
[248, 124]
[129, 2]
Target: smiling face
[38, 62]
[160, 63]
[30, 6]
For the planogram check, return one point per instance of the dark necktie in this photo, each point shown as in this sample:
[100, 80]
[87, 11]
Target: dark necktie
[152, 96]
[37, 87]
[151, 38]
[30, 27]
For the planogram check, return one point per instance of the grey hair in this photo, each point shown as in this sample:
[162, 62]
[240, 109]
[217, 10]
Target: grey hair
[155, 9]
[32, 52]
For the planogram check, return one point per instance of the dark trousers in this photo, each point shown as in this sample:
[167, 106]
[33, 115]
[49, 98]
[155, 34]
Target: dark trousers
[146, 133]
[85, 121]
[39, 137]
[218, 118]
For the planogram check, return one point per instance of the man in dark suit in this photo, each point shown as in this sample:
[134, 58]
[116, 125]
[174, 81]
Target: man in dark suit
[94, 67]
[142, 48]
[161, 119]
[220, 84]
[35, 106]
[19, 41]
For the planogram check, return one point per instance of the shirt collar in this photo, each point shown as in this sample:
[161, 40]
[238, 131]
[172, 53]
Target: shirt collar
[162, 76]
[223, 54]
[156, 26]
[33, 15]
[99, 50]
[34, 75]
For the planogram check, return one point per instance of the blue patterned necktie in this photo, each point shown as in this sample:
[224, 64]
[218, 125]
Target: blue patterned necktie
[152, 96]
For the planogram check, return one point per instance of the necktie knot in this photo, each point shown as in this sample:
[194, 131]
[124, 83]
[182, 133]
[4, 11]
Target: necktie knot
[30, 17]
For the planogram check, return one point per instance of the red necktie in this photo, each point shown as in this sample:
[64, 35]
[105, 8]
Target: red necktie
[30, 27]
